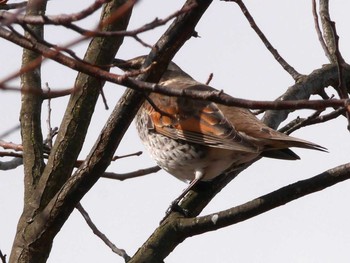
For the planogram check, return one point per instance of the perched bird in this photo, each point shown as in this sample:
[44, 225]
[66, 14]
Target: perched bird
[197, 140]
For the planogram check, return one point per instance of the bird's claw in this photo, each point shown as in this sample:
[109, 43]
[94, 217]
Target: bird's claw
[175, 207]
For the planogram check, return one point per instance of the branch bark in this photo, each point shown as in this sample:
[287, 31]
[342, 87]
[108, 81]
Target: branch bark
[195, 226]
[34, 236]
[31, 137]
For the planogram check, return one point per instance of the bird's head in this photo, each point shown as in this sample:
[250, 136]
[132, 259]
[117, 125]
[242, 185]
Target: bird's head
[131, 64]
[137, 62]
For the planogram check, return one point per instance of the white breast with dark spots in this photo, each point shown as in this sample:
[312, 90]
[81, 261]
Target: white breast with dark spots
[181, 159]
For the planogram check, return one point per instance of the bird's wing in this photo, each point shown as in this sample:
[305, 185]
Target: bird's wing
[267, 138]
[195, 121]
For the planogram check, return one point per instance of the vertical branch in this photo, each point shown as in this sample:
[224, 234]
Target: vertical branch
[318, 31]
[36, 230]
[327, 29]
[32, 138]
[30, 118]
[75, 123]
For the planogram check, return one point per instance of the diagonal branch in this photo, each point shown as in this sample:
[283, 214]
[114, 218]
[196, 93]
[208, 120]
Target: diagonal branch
[312, 84]
[284, 195]
[47, 222]
[295, 75]
[103, 237]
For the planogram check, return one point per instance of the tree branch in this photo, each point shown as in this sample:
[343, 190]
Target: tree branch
[124, 176]
[2, 257]
[284, 195]
[327, 30]
[318, 31]
[295, 75]
[32, 139]
[314, 83]
[62, 204]
[103, 237]
[35, 235]
[311, 84]
[12, 164]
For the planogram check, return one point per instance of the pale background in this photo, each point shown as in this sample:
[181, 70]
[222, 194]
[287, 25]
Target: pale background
[312, 229]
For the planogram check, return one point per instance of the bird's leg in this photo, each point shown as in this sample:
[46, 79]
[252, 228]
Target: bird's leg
[174, 206]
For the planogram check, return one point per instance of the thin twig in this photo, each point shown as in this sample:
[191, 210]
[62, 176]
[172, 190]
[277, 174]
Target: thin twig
[11, 145]
[295, 75]
[211, 75]
[48, 121]
[118, 157]
[118, 251]
[2, 257]
[63, 19]
[9, 131]
[104, 99]
[138, 173]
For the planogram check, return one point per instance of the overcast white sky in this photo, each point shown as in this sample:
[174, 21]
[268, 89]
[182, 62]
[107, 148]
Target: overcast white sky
[312, 229]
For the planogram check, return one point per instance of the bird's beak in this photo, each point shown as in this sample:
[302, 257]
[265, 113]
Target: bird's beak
[131, 64]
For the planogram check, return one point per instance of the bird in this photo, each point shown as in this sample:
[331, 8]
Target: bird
[198, 140]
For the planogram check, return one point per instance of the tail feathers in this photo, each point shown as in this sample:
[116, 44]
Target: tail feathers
[295, 142]
[283, 154]
[279, 148]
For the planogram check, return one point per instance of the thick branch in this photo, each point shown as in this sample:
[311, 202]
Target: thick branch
[63, 203]
[195, 226]
[32, 139]
[314, 83]
[12, 164]
[75, 123]
[176, 228]
[34, 238]
[327, 30]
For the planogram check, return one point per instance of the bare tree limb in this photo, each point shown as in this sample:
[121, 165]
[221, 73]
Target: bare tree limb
[2, 257]
[11, 145]
[67, 19]
[327, 30]
[124, 176]
[295, 75]
[284, 195]
[103, 237]
[34, 240]
[9, 131]
[313, 119]
[13, 18]
[32, 139]
[13, 6]
[318, 31]
[339, 60]
[175, 229]
[12, 164]
[314, 83]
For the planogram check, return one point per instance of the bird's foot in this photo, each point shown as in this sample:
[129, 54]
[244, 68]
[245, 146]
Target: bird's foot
[175, 207]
